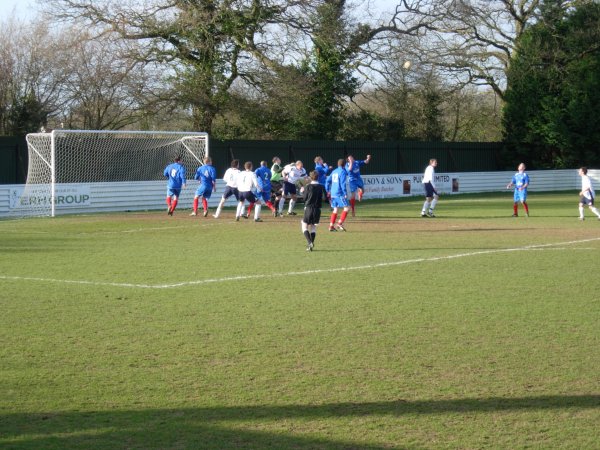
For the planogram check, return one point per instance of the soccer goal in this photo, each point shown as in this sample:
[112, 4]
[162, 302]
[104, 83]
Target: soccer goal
[66, 158]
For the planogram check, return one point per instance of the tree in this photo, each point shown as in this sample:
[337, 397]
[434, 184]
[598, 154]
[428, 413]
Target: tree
[32, 77]
[470, 42]
[554, 89]
[105, 89]
[203, 44]
[328, 69]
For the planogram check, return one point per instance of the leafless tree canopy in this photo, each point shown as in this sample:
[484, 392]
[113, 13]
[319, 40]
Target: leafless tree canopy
[111, 64]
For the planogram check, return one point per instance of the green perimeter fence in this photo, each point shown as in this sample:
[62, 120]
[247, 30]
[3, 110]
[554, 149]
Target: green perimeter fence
[388, 157]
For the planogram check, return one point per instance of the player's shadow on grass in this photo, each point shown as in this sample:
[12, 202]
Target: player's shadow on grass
[241, 427]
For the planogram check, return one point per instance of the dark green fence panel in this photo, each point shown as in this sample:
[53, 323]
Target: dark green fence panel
[388, 157]
[13, 160]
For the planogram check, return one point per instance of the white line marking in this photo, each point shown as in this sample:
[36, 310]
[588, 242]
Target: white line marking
[299, 273]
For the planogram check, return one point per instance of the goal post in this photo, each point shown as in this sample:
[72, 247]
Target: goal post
[74, 157]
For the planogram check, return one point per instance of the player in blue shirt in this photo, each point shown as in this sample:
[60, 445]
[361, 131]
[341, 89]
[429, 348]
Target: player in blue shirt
[263, 174]
[175, 174]
[208, 177]
[520, 181]
[355, 180]
[322, 170]
[335, 185]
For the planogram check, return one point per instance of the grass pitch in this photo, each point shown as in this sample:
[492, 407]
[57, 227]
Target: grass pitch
[140, 331]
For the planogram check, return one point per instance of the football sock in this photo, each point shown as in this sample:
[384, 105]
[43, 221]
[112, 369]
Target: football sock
[515, 209]
[292, 204]
[250, 206]
[219, 208]
[360, 195]
[332, 220]
[307, 236]
[343, 217]
[433, 203]
[204, 204]
[270, 205]
[195, 204]
[169, 202]
[257, 209]
[281, 203]
[581, 212]
[352, 203]
[595, 210]
[425, 207]
[526, 207]
[240, 209]
[174, 204]
[313, 235]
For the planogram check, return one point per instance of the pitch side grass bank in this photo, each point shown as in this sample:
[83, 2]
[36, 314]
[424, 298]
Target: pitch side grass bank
[471, 330]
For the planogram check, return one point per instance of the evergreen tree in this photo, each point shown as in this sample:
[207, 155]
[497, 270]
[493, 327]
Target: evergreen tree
[550, 116]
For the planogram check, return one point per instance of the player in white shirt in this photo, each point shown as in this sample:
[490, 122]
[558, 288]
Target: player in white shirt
[230, 179]
[431, 195]
[293, 173]
[246, 182]
[586, 196]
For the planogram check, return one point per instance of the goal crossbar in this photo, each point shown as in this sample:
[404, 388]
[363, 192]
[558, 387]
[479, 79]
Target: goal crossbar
[62, 157]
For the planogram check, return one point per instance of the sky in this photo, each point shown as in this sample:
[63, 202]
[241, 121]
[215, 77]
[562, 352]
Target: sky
[23, 8]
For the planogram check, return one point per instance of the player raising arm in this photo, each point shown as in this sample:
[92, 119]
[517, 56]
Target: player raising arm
[322, 169]
[355, 181]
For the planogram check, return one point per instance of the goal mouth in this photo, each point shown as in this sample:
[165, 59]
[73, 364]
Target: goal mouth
[63, 159]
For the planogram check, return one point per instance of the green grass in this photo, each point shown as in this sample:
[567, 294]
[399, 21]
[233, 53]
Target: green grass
[471, 330]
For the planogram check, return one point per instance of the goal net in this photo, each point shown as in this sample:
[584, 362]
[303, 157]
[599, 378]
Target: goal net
[66, 157]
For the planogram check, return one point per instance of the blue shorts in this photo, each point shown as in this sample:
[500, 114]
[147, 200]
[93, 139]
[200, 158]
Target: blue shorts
[173, 192]
[520, 196]
[356, 184]
[265, 196]
[339, 202]
[204, 191]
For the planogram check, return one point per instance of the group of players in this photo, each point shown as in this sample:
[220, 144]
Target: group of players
[272, 187]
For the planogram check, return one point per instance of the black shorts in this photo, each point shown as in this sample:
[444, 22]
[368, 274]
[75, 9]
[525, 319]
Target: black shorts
[289, 188]
[429, 190]
[312, 216]
[276, 187]
[586, 201]
[229, 191]
[248, 195]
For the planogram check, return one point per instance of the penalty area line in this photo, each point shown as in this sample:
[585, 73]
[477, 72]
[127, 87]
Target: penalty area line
[298, 273]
